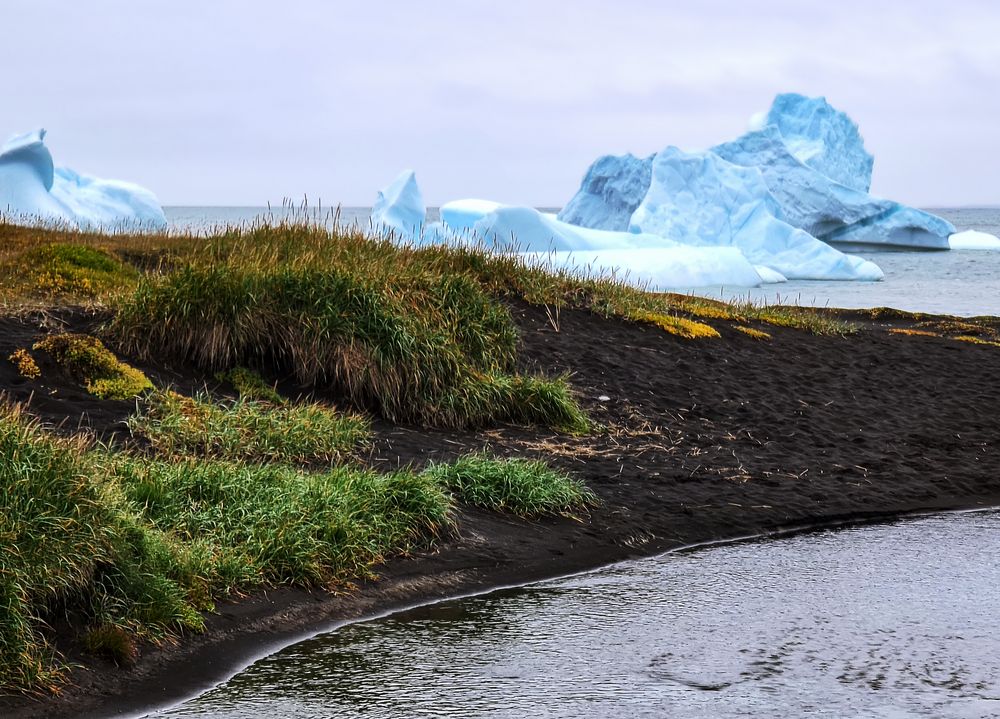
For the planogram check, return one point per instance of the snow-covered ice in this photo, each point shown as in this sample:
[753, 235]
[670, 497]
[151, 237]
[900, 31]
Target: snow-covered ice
[463, 214]
[974, 240]
[399, 208]
[702, 200]
[32, 189]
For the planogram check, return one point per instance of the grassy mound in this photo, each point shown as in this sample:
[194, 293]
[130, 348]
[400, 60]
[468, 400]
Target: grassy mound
[91, 363]
[247, 430]
[412, 343]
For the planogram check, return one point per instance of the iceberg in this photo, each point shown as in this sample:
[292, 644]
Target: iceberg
[610, 192]
[974, 240]
[699, 199]
[827, 209]
[813, 160]
[399, 208]
[32, 189]
[658, 268]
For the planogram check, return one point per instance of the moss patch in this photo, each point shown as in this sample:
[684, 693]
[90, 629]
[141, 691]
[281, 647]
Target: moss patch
[680, 326]
[91, 363]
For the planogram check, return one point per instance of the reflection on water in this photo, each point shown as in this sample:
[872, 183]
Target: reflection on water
[886, 621]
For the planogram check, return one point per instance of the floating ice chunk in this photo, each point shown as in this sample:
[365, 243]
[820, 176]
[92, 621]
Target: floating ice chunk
[399, 208]
[899, 226]
[658, 268]
[525, 229]
[700, 199]
[32, 189]
[827, 209]
[974, 240]
[611, 190]
[463, 214]
[823, 138]
[769, 276]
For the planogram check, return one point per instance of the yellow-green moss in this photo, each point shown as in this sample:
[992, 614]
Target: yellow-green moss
[680, 326]
[96, 367]
[751, 332]
[59, 269]
[25, 363]
[913, 333]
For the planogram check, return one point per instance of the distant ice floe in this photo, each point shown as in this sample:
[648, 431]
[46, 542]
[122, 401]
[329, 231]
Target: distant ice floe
[974, 240]
[33, 190]
[783, 201]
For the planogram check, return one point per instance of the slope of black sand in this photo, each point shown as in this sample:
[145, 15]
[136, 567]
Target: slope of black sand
[705, 440]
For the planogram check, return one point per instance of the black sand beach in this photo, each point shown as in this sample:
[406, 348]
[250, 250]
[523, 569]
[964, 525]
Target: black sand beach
[706, 440]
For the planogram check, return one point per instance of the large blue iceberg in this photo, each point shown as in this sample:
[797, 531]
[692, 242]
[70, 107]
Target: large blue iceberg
[815, 165]
[33, 190]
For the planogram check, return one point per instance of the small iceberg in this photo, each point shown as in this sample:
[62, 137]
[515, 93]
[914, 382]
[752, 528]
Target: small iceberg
[33, 190]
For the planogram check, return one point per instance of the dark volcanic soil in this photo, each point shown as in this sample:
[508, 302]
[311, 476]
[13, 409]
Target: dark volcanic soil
[705, 439]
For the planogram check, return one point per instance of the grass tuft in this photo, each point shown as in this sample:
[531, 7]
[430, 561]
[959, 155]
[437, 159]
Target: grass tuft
[522, 487]
[246, 430]
[91, 363]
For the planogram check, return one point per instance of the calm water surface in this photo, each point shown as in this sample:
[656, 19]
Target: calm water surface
[961, 283]
[890, 621]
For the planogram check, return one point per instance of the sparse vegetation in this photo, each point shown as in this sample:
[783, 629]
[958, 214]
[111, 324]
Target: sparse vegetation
[93, 365]
[176, 426]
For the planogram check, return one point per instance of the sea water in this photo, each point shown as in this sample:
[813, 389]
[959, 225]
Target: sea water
[892, 621]
[965, 283]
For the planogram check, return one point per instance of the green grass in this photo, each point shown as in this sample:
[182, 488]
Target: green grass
[274, 524]
[133, 549]
[522, 487]
[246, 430]
[87, 360]
[66, 539]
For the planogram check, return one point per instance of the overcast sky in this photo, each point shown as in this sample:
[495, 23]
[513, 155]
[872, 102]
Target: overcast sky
[216, 102]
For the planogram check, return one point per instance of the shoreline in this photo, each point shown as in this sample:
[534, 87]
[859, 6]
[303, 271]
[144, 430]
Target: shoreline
[703, 441]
